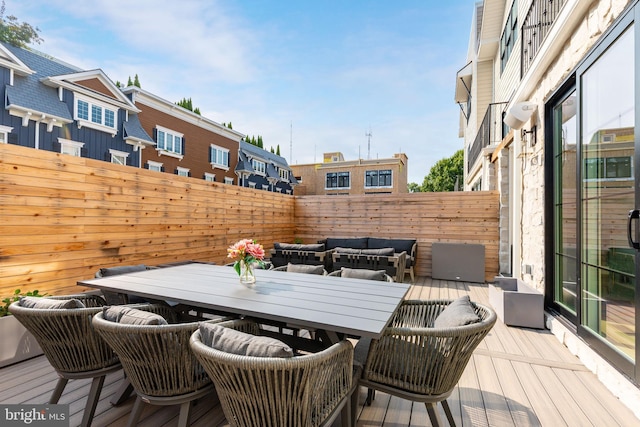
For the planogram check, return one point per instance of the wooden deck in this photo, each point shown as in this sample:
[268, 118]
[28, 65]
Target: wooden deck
[517, 377]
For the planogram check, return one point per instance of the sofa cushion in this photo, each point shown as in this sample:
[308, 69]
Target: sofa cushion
[114, 271]
[50, 303]
[355, 243]
[342, 250]
[459, 313]
[379, 252]
[306, 269]
[237, 342]
[312, 247]
[399, 245]
[132, 316]
[359, 273]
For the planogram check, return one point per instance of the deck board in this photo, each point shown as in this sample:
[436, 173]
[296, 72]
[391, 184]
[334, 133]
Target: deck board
[516, 377]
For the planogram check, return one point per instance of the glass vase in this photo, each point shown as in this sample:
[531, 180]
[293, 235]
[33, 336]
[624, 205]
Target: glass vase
[247, 275]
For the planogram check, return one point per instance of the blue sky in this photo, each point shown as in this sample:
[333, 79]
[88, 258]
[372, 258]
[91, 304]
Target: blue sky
[319, 74]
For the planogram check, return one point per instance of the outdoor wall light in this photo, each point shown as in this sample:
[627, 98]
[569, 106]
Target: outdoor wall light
[532, 132]
[519, 113]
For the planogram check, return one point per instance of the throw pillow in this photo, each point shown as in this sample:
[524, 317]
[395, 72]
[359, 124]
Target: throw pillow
[307, 269]
[459, 313]
[49, 303]
[132, 316]
[359, 273]
[236, 342]
[379, 252]
[342, 250]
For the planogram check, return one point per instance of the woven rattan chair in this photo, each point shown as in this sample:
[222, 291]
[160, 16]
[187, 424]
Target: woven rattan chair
[308, 390]
[158, 361]
[71, 345]
[415, 361]
[338, 273]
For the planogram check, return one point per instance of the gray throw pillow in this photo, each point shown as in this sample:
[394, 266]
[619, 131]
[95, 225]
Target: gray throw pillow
[132, 316]
[49, 303]
[236, 342]
[306, 269]
[459, 313]
[287, 246]
[360, 273]
[342, 250]
[380, 252]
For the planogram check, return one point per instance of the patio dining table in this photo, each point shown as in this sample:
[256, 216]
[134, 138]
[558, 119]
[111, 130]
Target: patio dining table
[332, 306]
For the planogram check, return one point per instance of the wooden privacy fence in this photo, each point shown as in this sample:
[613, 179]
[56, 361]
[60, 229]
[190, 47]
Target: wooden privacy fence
[453, 217]
[64, 217]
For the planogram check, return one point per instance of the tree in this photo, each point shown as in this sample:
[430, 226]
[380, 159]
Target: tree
[444, 174]
[129, 82]
[414, 188]
[19, 34]
[187, 104]
[136, 81]
[278, 149]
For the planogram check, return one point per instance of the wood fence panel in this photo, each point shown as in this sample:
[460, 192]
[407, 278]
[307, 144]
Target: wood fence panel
[469, 217]
[63, 218]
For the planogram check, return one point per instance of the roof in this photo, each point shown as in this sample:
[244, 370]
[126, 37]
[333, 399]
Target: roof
[255, 151]
[244, 165]
[134, 130]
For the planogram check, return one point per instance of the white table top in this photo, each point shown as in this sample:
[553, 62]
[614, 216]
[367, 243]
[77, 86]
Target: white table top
[350, 306]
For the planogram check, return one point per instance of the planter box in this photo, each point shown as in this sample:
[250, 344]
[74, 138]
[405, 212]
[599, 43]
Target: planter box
[516, 303]
[17, 343]
[457, 261]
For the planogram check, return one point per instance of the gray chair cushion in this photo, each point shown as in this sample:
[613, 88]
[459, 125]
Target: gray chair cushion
[114, 271]
[237, 342]
[312, 247]
[132, 316]
[459, 313]
[359, 273]
[50, 304]
[307, 269]
[380, 252]
[342, 250]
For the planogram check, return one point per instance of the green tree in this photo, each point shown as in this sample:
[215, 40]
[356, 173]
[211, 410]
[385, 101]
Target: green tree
[278, 149]
[414, 188]
[136, 81]
[187, 104]
[17, 33]
[118, 84]
[129, 82]
[444, 174]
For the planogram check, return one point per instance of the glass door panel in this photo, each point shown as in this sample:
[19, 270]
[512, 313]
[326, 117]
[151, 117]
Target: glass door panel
[608, 268]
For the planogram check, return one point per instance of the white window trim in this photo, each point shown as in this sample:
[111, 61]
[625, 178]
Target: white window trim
[219, 165]
[158, 165]
[69, 143]
[88, 123]
[118, 153]
[5, 131]
[264, 166]
[228, 180]
[337, 188]
[265, 186]
[162, 151]
[252, 185]
[210, 177]
[180, 170]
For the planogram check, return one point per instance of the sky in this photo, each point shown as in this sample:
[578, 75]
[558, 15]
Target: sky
[365, 78]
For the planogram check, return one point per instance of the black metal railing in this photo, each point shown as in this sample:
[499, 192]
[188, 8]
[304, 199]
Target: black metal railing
[535, 28]
[491, 132]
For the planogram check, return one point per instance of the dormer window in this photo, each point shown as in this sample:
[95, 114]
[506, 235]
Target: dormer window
[93, 114]
[259, 167]
[284, 174]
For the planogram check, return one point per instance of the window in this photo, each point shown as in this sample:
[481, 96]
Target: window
[219, 157]
[259, 167]
[252, 185]
[378, 178]
[96, 115]
[608, 168]
[509, 35]
[338, 180]
[182, 171]
[72, 148]
[169, 142]
[211, 177]
[4, 134]
[154, 166]
[284, 174]
[118, 157]
[228, 180]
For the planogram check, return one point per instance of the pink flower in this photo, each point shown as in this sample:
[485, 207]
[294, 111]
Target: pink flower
[246, 249]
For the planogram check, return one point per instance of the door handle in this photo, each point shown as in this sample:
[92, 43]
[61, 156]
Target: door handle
[633, 214]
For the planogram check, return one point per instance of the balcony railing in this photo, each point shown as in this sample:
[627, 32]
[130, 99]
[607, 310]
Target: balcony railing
[490, 132]
[535, 28]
